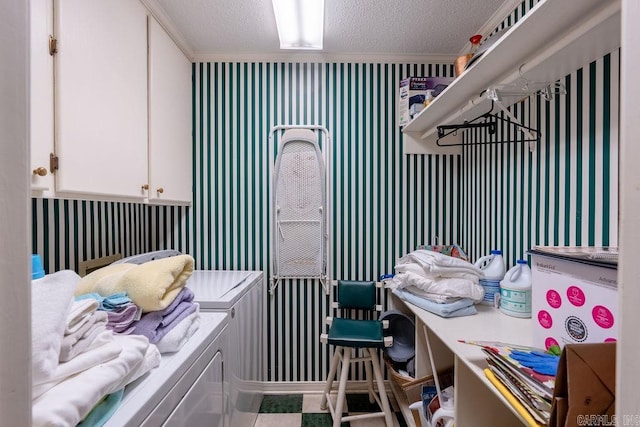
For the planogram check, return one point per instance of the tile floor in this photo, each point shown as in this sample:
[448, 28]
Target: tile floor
[297, 410]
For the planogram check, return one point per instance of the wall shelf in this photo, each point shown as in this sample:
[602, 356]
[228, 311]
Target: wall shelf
[554, 39]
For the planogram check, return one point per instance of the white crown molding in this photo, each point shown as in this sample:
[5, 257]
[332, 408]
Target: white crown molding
[165, 22]
[323, 57]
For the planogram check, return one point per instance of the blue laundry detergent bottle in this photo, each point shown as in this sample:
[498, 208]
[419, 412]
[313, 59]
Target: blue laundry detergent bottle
[493, 268]
[515, 290]
[37, 271]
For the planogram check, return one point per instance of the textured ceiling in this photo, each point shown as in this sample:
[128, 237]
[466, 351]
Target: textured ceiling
[364, 27]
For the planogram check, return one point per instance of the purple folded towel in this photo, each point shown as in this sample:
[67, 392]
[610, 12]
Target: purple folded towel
[155, 324]
[122, 319]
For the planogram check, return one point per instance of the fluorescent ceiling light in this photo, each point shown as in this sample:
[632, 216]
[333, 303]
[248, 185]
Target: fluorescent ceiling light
[300, 23]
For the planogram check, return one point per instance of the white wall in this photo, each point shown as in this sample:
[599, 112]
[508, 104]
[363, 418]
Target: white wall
[15, 302]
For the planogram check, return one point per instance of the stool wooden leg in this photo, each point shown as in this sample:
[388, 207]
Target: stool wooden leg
[367, 369]
[342, 388]
[381, 390]
[332, 373]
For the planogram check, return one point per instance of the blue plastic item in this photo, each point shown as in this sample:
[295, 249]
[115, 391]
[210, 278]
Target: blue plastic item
[543, 363]
[37, 272]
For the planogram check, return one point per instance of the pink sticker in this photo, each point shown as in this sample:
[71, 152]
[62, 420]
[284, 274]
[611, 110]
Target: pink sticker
[602, 316]
[549, 341]
[575, 296]
[610, 339]
[544, 318]
[553, 298]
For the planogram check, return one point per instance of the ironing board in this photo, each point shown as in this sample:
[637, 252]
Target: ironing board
[299, 206]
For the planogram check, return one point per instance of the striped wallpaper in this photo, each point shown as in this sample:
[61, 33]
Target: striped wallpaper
[384, 202]
[381, 199]
[563, 193]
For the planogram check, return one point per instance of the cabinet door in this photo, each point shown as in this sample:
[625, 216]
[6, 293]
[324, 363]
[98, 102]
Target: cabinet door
[170, 141]
[41, 92]
[203, 405]
[101, 97]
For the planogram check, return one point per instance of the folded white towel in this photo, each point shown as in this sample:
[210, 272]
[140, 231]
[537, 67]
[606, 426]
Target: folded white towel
[71, 400]
[80, 340]
[51, 301]
[437, 264]
[440, 299]
[180, 334]
[150, 360]
[80, 313]
[152, 286]
[103, 349]
[436, 271]
[448, 286]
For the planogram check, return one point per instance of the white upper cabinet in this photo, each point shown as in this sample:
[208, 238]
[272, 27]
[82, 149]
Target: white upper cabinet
[101, 98]
[41, 92]
[170, 140]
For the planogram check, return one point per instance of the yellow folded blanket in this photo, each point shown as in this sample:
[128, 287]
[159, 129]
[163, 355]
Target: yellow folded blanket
[152, 286]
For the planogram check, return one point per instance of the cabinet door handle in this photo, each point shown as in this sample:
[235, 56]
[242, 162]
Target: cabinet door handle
[145, 187]
[160, 190]
[40, 171]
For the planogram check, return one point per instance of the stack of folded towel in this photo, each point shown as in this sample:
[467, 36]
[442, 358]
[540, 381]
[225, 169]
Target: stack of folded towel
[155, 325]
[119, 310]
[439, 283]
[152, 286]
[76, 360]
[157, 289]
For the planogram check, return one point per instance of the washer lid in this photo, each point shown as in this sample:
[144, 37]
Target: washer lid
[220, 289]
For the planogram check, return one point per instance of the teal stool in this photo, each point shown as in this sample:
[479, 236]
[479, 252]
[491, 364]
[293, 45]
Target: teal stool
[349, 335]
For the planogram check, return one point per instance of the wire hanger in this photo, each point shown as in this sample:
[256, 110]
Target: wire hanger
[532, 135]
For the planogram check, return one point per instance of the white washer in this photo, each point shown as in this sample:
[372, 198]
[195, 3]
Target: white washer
[238, 294]
[187, 389]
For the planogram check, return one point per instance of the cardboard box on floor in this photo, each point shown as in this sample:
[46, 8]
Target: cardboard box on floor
[574, 297]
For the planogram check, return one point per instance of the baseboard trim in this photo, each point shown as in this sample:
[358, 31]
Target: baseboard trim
[313, 387]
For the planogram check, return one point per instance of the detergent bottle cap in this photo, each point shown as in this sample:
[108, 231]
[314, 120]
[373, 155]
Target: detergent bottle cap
[496, 252]
[522, 261]
[37, 272]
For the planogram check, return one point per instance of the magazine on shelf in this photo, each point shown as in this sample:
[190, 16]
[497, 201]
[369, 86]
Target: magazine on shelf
[539, 408]
[533, 390]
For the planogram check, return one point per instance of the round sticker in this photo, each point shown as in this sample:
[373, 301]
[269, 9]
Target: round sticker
[576, 328]
[602, 316]
[609, 339]
[575, 296]
[549, 341]
[553, 298]
[544, 318]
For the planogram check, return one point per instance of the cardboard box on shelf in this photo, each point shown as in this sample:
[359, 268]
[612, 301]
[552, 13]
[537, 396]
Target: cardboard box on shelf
[574, 296]
[413, 91]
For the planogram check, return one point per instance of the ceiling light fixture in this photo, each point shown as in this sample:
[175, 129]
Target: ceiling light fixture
[300, 23]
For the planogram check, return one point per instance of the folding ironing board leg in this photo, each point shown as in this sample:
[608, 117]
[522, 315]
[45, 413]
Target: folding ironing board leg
[332, 373]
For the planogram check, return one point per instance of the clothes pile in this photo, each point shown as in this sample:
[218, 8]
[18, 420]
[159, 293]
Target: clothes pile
[148, 299]
[442, 284]
[92, 336]
[77, 362]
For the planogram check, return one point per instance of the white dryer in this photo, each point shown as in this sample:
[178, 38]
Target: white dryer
[238, 294]
[187, 389]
